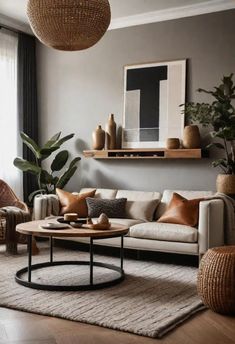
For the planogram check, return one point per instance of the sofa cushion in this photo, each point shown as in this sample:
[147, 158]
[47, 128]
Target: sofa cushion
[138, 195]
[74, 203]
[140, 204]
[141, 210]
[164, 232]
[113, 208]
[102, 193]
[182, 211]
[167, 196]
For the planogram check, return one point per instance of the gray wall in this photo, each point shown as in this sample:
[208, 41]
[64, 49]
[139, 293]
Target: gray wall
[78, 90]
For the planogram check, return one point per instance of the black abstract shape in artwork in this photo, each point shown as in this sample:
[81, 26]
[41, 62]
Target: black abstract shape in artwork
[147, 80]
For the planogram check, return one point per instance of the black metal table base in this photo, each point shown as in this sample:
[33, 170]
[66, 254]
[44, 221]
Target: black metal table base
[51, 287]
[89, 286]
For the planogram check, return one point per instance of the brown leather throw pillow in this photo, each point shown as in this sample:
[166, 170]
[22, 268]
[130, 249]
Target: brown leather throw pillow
[71, 203]
[182, 211]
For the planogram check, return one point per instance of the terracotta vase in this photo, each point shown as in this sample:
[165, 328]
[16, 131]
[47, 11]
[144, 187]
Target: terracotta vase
[98, 138]
[191, 137]
[225, 183]
[172, 143]
[111, 133]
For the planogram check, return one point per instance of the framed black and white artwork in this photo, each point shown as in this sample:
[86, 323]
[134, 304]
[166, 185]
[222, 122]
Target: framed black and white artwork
[153, 93]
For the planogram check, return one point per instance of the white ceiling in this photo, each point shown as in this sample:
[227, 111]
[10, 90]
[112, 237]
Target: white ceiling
[135, 12]
[120, 8]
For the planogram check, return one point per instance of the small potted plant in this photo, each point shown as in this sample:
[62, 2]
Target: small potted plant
[219, 117]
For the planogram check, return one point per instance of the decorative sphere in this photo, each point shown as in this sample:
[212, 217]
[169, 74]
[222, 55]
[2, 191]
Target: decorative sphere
[69, 24]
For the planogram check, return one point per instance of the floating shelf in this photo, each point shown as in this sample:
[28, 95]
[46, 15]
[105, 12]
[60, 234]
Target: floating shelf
[145, 153]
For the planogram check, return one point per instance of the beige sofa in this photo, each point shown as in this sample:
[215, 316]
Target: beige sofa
[151, 235]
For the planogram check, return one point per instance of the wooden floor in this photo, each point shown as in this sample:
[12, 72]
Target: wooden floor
[24, 328]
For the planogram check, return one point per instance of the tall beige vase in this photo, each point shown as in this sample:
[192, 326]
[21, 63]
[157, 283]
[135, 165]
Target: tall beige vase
[191, 137]
[111, 133]
[98, 138]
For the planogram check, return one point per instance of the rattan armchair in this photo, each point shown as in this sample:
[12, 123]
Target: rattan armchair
[12, 212]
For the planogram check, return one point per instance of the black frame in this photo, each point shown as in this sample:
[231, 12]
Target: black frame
[91, 286]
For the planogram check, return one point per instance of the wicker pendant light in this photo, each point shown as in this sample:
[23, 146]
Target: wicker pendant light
[69, 24]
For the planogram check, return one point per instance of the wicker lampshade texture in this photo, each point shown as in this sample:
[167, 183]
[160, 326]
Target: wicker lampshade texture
[69, 24]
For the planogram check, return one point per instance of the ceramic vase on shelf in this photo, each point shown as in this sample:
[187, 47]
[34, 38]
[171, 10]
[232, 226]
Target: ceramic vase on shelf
[172, 143]
[98, 138]
[111, 133]
[191, 137]
[225, 183]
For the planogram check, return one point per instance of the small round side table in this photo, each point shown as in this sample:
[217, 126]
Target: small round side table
[216, 279]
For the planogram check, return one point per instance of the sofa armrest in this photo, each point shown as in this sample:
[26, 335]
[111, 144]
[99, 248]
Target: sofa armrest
[211, 224]
[44, 206]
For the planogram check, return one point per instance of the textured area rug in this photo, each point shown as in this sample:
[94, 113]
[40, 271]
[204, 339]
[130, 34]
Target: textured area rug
[153, 299]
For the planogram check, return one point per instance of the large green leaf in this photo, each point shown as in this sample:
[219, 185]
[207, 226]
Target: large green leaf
[60, 160]
[74, 161]
[220, 162]
[52, 140]
[27, 166]
[64, 179]
[46, 152]
[64, 139]
[215, 144]
[31, 144]
[45, 177]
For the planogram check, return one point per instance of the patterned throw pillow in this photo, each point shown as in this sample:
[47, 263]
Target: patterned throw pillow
[113, 208]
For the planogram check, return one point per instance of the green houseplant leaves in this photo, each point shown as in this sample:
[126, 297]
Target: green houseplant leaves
[219, 117]
[58, 175]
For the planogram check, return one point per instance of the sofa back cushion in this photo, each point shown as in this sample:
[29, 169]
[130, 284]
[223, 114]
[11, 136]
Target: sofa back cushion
[140, 205]
[167, 196]
[102, 193]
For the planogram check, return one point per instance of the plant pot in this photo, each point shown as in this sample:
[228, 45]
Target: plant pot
[98, 137]
[191, 137]
[225, 183]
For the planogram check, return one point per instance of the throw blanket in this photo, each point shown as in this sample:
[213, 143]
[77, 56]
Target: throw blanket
[14, 216]
[229, 217]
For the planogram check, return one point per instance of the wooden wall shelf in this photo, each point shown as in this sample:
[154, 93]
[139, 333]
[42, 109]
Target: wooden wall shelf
[150, 153]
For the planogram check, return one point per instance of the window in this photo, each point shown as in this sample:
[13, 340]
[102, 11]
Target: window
[9, 124]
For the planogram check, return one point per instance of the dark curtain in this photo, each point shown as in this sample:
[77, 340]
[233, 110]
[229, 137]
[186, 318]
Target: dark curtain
[27, 101]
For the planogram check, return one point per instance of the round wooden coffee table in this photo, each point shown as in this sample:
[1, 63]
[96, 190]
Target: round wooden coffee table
[32, 229]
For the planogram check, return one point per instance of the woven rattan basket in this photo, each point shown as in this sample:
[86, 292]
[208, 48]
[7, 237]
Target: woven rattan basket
[225, 183]
[69, 24]
[216, 279]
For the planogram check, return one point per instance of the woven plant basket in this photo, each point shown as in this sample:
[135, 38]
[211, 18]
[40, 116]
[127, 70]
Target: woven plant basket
[216, 279]
[69, 24]
[225, 183]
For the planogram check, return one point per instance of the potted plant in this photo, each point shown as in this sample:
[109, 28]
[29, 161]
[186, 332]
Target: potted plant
[219, 117]
[48, 180]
